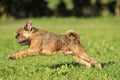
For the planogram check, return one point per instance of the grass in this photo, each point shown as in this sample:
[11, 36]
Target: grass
[100, 37]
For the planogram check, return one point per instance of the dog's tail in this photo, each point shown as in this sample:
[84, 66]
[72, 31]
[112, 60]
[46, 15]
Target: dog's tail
[72, 35]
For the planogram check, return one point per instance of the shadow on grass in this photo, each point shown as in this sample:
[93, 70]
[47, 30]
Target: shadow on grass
[72, 64]
[75, 64]
[110, 63]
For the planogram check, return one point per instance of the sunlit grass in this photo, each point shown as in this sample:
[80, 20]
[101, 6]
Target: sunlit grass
[100, 37]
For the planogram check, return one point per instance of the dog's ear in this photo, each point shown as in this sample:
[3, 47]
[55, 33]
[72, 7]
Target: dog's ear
[28, 25]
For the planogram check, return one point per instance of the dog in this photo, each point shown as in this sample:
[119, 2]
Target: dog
[41, 42]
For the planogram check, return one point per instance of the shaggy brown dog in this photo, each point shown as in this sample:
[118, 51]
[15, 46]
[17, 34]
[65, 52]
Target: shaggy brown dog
[46, 43]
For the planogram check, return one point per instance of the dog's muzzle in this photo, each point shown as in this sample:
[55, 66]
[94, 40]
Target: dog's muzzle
[24, 42]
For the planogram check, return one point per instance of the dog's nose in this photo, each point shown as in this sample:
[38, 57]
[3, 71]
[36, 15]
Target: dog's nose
[16, 36]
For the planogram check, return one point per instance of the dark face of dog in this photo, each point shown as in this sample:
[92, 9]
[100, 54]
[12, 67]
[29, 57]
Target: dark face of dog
[24, 34]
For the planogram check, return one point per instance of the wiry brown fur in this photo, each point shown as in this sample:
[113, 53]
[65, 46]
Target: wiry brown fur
[46, 43]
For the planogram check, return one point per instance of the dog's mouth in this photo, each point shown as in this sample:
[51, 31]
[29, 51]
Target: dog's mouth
[24, 42]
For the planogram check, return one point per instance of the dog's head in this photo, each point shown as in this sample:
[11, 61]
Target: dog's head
[25, 33]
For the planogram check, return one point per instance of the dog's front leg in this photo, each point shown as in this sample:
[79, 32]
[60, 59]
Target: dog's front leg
[23, 54]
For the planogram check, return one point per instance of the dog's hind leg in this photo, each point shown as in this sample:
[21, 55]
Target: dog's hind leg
[82, 61]
[79, 51]
[95, 63]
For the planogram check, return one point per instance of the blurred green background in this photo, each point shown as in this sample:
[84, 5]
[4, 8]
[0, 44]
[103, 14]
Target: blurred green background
[58, 8]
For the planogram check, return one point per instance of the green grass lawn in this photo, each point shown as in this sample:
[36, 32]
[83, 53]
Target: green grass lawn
[100, 37]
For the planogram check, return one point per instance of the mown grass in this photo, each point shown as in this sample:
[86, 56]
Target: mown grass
[100, 37]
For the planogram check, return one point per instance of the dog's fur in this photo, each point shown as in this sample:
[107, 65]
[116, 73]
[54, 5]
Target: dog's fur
[46, 43]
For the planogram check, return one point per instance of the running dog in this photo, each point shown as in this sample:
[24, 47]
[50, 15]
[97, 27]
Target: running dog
[41, 42]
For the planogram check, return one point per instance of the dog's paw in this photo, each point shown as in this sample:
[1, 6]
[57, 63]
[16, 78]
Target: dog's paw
[99, 66]
[12, 57]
